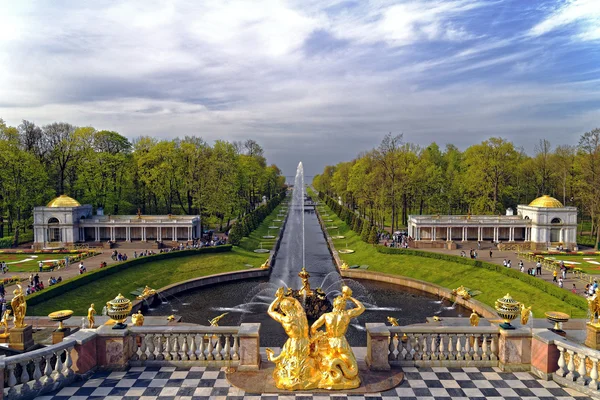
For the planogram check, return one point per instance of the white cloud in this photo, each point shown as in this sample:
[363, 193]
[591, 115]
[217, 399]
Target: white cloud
[584, 13]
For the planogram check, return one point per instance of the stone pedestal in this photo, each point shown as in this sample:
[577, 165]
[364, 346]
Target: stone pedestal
[114, 347]
[378, 339]
[544, 353]
[21, 338]
[59, 335]
[249, 336]
[514, 350]
[592, 339]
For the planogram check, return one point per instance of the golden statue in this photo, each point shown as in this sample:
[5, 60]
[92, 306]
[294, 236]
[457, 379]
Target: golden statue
[344, 265]
[137, 319]
[594, 307]
[474, 319]
[171, 318]
[147, 292]
[295, 369]
[304, 275]
[265, 265]
[525, 314]
[336, 360]
[139, 213]
[393, 321]
[462, 292]
[5, 320]
[19, 307]
[215, 320]
[90, 316]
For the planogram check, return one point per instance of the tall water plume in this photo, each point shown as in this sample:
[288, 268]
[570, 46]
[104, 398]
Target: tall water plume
[294, 242]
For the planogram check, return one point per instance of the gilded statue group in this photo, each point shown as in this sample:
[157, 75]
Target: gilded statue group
[311, 358]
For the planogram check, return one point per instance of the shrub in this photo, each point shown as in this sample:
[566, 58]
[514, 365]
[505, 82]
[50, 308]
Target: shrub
[373, 235]
[80, 280]
[366, 231]
[544, 286]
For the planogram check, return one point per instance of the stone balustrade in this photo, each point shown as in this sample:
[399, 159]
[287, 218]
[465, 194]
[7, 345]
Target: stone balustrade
[217, 346]
[425, 346]
[29, 374]
[577, 367]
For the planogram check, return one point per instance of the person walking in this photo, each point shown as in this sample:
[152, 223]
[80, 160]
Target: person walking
[554, 275]
[560, 282]
[490, 253]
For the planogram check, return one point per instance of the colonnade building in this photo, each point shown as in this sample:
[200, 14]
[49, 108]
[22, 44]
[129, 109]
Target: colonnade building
[544, 223]
[64, 222]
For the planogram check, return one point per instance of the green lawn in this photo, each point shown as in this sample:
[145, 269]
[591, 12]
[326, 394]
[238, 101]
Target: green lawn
[255, 239]
[448, 274]
[28, 262]
[587, 263]
[154, 274]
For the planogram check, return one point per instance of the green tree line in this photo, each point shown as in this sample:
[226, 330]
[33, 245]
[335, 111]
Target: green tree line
[103, 168]
[399, 178]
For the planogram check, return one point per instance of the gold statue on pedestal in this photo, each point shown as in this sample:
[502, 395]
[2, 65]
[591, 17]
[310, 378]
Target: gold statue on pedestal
[474, 319]
[5, 320]
[322, 360]
[265, 265]
[344, 265]
[147, 292]
[304, 275]
[215, 320]
[90, 316]
[19, 307]
[137, 319]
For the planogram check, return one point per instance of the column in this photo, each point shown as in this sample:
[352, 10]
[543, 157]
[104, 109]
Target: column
[143, 234]
[495, 234]
[450, 233]
[464, 237]
[112, 233]
[97, 233]
[175, 233]
[479, 238]
[189, 233]
[433, 233]
[128, 233]
[159, 233]
[511, 234]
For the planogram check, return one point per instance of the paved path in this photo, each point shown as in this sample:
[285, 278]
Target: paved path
[196, 383]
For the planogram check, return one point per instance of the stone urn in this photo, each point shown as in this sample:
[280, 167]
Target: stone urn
[60, 316]
[508, 309]
[118, 309]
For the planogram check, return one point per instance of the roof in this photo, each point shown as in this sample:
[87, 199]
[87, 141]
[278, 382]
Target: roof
[546, 202]
[63, 201]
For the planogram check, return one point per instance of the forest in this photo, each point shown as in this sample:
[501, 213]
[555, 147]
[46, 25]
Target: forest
[220, 182]
[398, 178]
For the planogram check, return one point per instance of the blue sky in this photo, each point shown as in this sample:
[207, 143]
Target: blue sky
[316, 81]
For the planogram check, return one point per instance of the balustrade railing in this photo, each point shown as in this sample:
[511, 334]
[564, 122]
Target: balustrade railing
[30, 374]
[217, 345]
[443, 345]
[577, 366]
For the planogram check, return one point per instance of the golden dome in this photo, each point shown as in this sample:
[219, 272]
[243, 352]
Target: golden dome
[63, 201]
[546, 202]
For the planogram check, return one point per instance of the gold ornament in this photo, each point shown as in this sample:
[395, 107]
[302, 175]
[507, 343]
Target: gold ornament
[118, 309]
[508, 309]
[525, 314]
[138, 319]
[474, 319]
[147, 292]
[5, 319]
[215, 320]
[90, 316]
[19, 307]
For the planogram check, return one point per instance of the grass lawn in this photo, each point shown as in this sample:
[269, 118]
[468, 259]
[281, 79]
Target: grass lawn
[448, 274]
[28, 262]
[255, 239]
[155, 274]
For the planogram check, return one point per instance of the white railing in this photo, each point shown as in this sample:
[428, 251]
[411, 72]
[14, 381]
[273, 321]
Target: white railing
[577, 366]
[217, 345]
[30, 374]
[443, 346]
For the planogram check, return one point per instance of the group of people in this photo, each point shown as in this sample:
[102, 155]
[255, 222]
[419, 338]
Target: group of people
[4, 267]
[398, 239]
[116, 256]
[472, 254]
[53, 281]
[82, 268]
[35, 284]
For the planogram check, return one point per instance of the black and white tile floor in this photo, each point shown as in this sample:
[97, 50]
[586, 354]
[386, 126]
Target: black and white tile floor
[196, 383]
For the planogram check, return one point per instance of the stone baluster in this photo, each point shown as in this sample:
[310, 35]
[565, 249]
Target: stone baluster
[227, 348]
[476, 355]
[572, 374]
[159, 348]
[562, 365]
[47, 380]
[434, 347]
[452, 337]
[426, 352]
[143, 348]
[201, 348]
[137, 354]
[167, 348]
[443, 351]
[193, 348]
[150, 347]
[581, 372]
[67, 369]
[485, 351]
[391, 349]
[419, 346]
[209, 353]
[401, 348]
[459, 353]
[24, 377]
[409, 338]
[594, 374]
[175, 347]
[236, 347]
[185, 349]
[468, 349]
[58, 367]
[12, 380]
[219, 348]
[37, 373]
[494, 355]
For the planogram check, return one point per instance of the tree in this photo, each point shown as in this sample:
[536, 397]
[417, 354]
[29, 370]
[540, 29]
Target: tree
[387, 156]
[589, 159]
[63, 151]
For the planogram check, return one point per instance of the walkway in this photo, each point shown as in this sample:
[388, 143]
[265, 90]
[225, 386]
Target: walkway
[196, 383]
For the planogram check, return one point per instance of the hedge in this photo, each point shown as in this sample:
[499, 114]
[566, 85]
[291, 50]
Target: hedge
[252, 220]
[363, 228]
[7, 242]
[540, 284]
[84, 279]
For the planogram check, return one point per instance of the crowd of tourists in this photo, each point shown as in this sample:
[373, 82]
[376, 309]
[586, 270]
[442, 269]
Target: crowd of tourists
[397, 239]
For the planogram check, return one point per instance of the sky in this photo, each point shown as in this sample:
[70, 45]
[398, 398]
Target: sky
[317, 81]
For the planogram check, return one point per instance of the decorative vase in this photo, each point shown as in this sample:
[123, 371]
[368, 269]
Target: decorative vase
[60, 316]
[557, 318]
[508, 309]
[118, 309]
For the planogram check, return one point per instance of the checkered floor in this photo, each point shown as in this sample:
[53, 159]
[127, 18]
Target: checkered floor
[196, 383]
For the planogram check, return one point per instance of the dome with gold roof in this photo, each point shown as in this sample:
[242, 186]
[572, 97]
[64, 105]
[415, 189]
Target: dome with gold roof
[63, 201]
[546, 202]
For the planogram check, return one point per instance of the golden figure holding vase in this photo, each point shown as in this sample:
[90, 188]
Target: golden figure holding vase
[19, 307]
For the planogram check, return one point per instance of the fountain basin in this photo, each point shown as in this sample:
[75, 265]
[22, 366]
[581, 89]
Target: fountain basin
[332, 227]
[268, 237]
[338, 237]
[276, 220]
[273, 227]
[345, 251]
[262, 251]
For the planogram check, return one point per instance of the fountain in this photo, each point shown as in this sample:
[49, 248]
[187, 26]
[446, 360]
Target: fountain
[268, 236]
[261, 250]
